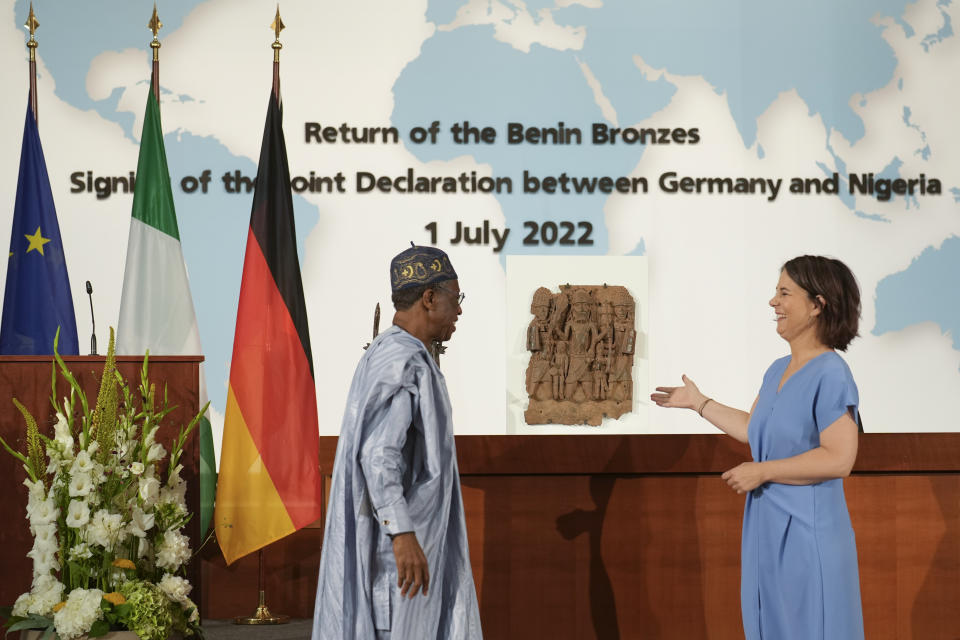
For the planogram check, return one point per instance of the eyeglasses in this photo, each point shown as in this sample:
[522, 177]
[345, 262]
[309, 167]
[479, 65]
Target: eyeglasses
[460, 296]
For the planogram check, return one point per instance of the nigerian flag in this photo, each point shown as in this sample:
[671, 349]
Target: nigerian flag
[156, 308]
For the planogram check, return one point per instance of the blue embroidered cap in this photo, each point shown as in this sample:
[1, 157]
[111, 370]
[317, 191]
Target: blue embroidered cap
[418, 266]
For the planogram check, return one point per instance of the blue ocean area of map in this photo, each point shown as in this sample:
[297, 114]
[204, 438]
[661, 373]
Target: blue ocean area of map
[923, 292]
[827, 51]
[80, 30]
[945, 31]
[466, 75]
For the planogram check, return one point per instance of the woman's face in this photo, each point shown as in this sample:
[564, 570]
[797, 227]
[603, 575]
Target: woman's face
[796, 313]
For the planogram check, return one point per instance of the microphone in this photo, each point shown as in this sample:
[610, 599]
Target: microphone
[93, 334]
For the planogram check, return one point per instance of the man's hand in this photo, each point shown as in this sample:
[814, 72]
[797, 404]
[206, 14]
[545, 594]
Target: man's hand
[412, 571]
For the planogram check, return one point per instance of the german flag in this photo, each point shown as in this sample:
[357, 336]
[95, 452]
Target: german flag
[269, 484]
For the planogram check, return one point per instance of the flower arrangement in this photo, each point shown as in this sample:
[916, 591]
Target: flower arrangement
[106, 507]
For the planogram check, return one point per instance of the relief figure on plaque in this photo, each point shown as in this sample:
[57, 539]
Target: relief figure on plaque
[581, 336]
[540, 342]
[558, 372]
[624, 343]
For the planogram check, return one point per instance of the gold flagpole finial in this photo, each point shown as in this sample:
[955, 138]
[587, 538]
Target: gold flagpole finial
[32, 25]
[155, 25]
[277, 27]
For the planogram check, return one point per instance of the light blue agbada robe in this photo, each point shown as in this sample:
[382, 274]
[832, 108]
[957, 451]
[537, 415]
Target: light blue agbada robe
[799, 578]
[395, 471]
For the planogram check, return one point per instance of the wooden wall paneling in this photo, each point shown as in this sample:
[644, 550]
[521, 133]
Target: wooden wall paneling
[614, 536]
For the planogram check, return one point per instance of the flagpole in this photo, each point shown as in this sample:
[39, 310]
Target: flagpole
[155, 25]
[263, 615]
[277, 27]
[32, 25]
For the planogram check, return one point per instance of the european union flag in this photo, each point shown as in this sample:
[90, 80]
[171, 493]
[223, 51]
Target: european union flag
[37, 299]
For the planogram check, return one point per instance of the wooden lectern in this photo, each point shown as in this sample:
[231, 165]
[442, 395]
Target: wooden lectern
[28, 378]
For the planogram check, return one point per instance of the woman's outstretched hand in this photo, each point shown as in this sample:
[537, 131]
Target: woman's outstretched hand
[686, 397]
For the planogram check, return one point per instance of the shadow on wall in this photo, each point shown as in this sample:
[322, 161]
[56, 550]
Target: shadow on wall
[941, 584]
[550, 569]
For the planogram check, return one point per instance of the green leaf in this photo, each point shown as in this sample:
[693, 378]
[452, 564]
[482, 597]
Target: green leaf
[75, 387]
[99, 628]
[122, 610]
[33, 622]
[19, 456]
[9, 619]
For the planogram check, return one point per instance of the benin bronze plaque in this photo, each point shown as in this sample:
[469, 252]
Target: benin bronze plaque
[581, 342]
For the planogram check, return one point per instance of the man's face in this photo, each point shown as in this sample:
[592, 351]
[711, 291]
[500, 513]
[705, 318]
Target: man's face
[446, 309]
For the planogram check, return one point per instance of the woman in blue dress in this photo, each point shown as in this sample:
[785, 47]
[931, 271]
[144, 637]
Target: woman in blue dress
[799, 577]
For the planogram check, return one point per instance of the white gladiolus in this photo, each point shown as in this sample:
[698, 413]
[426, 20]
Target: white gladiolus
[99, 473]
[62, 435]
[44, 560]
[78, 514]
[136, 468]
[36, 491]
[175, 496]
[156, 452]
[105, 529]
[140, 522]
[124, 447]
[81, 552]
[43, 512]
[149, 436]
[173, 479]
[79, 614]
[149, 490]
[82, 463]
[45, 537]
[81, 484]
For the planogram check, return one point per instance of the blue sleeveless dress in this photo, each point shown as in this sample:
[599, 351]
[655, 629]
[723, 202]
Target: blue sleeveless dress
[799, 577]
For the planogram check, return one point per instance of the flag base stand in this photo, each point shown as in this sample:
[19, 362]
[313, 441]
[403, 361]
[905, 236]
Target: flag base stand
[262, 615]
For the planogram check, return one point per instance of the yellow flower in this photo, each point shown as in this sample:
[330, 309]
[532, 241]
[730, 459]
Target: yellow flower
[123, 563]
[115, 597]
[58, 606]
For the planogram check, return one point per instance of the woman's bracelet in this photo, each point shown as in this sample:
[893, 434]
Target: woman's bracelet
[702, 405]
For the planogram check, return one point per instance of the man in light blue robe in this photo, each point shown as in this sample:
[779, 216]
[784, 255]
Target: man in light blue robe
[395, 563]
